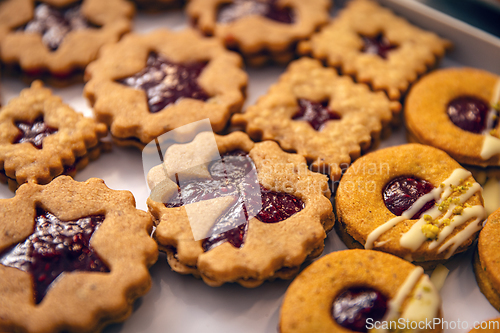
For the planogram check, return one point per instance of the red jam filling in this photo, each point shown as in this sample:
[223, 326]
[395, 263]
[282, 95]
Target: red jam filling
[55, 23]
[267, 8]
[469, 113]
[165, 81]
[378, 44]
[402, 192]
[353, 307]
[34, 132]
[228, 179]
[55, 247]
[315, 113]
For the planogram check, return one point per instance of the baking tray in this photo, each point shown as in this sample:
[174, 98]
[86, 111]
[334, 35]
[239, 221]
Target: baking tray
[183, 304]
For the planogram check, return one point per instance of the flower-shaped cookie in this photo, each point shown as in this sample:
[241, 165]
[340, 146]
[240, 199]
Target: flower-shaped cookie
[456, 110]
[59, 36]
[41, 138]
[73, 256]
[261, 30]
[358, 290]
[413, 201]
[283, 213]
[376, 46]
[324, 117]
[147, 85]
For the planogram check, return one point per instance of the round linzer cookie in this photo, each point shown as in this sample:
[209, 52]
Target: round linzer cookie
[147, 85]
[357, 291]
[322, 116]
[42, 138]
[60, 36]
[376, 47]
[413, 201]
[487, 258]
[73, 256]
[261, 30]
[456, 110]
[254, 214]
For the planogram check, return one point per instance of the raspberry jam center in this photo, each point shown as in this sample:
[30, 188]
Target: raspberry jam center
[55, 23]
[228, 179]
[353, 307]
[55, 247]
[469, 113]
[378, 44]
[165, 82]
[402, 192]
[315, 113]
[266, 8]
[34, 132]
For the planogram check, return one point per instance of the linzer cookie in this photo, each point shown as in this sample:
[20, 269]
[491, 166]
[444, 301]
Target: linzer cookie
[62, 36]
[358, 290]
[261, 30]
[327, 118]
[73, 257]
[412, 201]
[376, 47]
[456, 110]
[254, 214]
[147, 85]
[41, 138]
[487, 258]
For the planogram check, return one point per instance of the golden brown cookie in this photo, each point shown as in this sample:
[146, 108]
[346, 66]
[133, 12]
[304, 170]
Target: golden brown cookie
[261, 30]
[356, 290]
[217, 222]
[41, 138]
[486, 260]
[59, 36]
[324, 117]
[73, 257]
[147, 85]
[456, 110]
[376, 47]
[413, 201]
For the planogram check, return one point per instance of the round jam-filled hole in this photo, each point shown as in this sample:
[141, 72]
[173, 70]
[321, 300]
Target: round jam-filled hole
[354, 306]
[470, 113]
[402, 192]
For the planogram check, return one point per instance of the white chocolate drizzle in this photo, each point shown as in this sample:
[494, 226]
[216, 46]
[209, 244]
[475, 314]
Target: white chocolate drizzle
[403, 292]
[491, 144]
[414, 238]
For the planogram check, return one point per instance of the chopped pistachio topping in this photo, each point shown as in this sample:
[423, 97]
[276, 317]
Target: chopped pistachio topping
[458, 210]
[430, 231]
[496, 106]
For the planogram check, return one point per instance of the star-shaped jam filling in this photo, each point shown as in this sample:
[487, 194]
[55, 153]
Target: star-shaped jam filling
[315, 113]
[165, 81]
[34, 132]
[402, 192]
[378, 44]
[55, 247]
[55, 23]
[228, 179]
[267, 8]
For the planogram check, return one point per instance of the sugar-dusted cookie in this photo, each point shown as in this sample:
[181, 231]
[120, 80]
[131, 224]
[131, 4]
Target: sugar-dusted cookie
[359, 291]
[261, 30]
[412, 201]
[487, 258]
[41, 138]
[376, 47]
[59, 36]
[257, 214]
[322, 116]
[73, 256]
[456, 110]
[147, 85]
